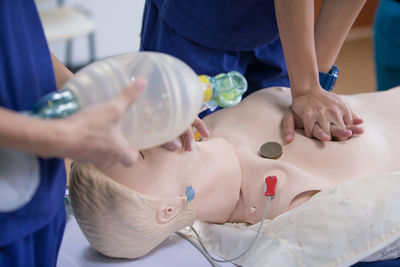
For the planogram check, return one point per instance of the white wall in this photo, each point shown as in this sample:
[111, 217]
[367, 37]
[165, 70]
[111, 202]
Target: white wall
[118, 25]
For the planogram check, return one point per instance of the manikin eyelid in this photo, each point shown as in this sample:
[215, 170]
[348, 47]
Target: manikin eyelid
[141, 153]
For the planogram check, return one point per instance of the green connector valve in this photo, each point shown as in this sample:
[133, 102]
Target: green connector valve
[56, 105]
[224, 90]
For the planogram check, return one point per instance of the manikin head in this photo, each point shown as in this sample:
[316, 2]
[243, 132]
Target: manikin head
[120, 222]
[126, 212]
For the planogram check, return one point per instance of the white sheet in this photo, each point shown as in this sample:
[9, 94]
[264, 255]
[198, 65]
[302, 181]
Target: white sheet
[337, 227]
[175, 251]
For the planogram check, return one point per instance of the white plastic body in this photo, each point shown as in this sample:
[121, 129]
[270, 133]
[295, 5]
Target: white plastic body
[166, 109]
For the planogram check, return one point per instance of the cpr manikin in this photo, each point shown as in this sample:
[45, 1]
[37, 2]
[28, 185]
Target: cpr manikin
[129, 214]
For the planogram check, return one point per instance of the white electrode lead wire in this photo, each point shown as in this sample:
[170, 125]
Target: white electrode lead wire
[209, 257]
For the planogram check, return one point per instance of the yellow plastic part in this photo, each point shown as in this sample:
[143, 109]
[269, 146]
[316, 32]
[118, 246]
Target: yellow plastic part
[197, 135]
[207, 90]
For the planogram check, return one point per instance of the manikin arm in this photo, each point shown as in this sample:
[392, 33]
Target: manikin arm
[316, 109]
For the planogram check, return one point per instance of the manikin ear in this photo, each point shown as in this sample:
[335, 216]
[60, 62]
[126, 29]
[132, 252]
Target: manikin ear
[167, 209]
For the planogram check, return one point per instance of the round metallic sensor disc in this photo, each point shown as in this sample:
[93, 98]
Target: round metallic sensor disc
[271, 150]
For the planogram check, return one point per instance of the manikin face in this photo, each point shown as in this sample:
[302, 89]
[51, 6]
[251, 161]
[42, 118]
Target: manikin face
[212, 169]
[163, 173]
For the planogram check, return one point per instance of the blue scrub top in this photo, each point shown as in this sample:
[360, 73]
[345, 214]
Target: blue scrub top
[26, 74]
[229, 25]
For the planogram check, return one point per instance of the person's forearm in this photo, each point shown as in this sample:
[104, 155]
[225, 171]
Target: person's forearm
[62, 73]
[334, 22]
[296, 29]
[25, 133]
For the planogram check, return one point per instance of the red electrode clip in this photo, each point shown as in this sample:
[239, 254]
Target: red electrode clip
[270, 184]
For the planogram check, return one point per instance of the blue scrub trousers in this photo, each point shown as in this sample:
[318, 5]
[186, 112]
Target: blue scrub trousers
[37, 249]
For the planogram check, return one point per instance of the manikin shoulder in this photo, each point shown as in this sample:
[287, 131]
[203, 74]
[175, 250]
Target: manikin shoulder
[269, 103]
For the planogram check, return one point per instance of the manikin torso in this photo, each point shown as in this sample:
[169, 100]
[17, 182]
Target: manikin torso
[228, 173]
[306, 165]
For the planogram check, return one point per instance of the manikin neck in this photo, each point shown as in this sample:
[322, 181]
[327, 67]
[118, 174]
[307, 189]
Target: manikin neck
[217, 180]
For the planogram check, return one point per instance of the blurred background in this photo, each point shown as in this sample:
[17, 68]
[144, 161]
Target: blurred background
[98, 28]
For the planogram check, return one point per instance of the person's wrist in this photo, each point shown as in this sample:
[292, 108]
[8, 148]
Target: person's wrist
[40, 138]
[57, 139]
[304, 83]
[305, 89]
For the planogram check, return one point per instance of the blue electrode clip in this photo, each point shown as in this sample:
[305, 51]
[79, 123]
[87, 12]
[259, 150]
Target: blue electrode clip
[190, 193]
